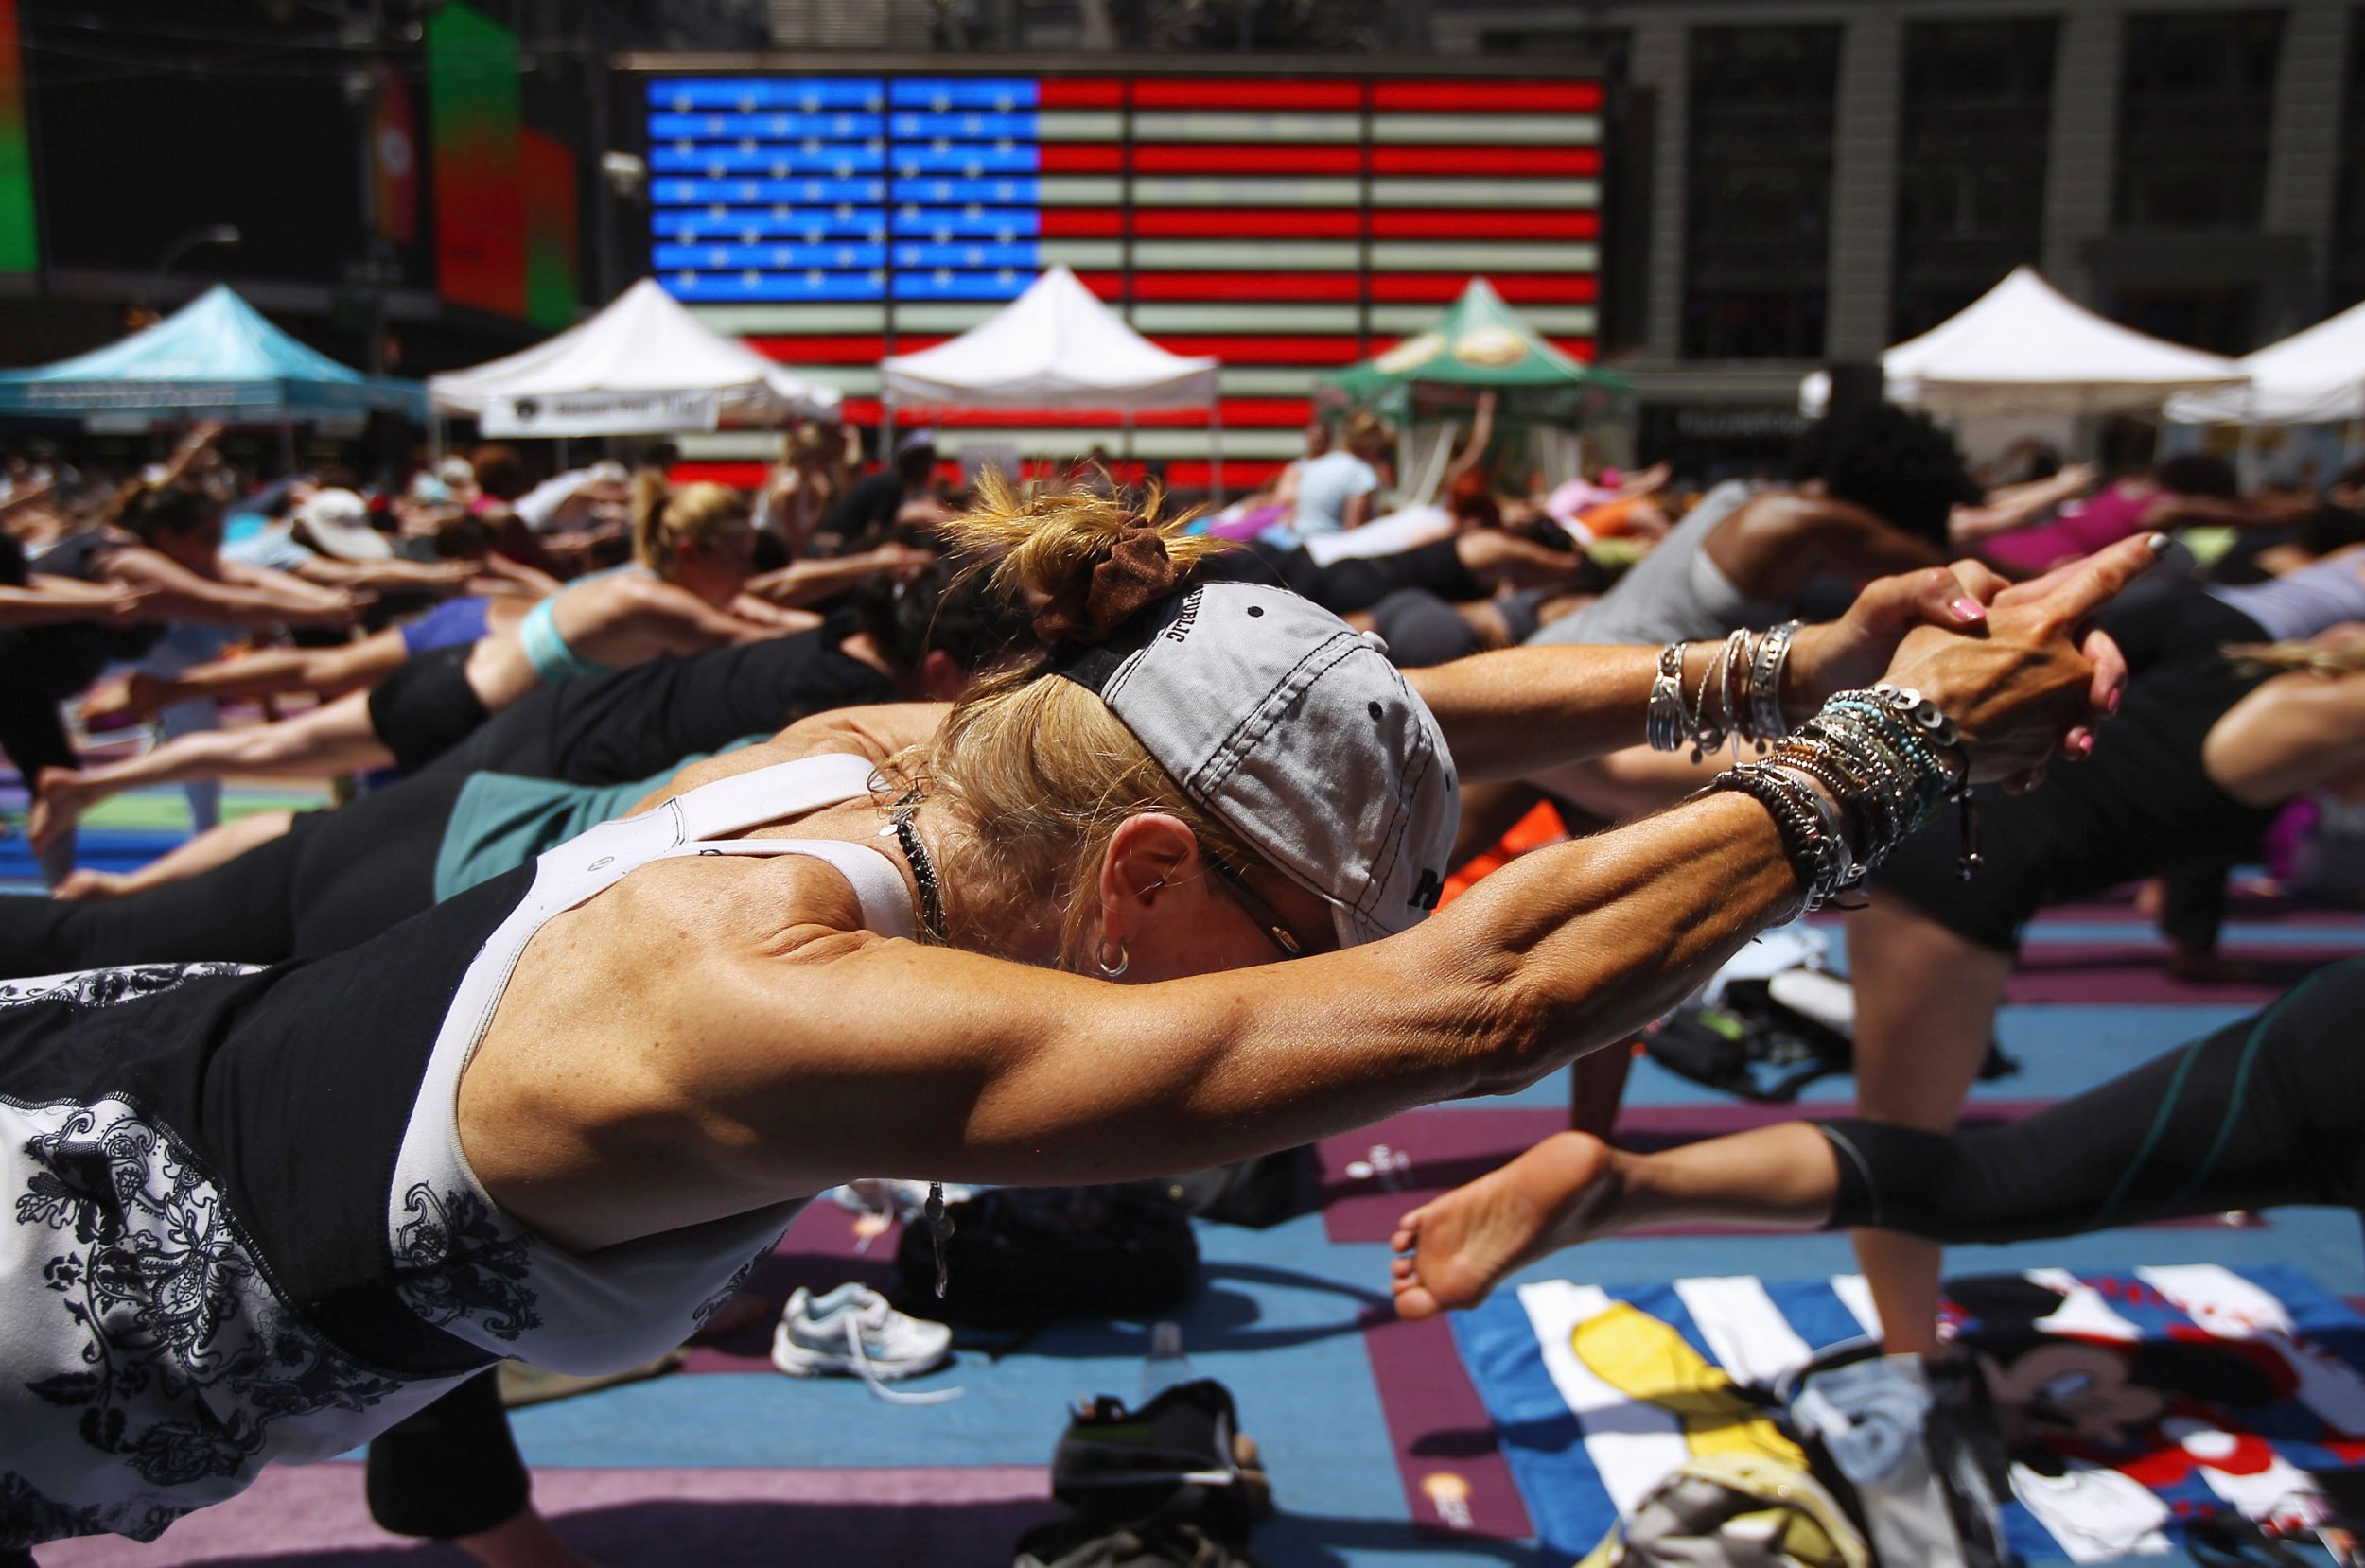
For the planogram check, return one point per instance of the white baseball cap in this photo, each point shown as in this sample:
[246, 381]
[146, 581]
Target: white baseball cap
[338, 523]
[1296, 731]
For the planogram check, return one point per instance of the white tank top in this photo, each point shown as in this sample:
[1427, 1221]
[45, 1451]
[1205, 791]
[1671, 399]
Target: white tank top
[476, 1272]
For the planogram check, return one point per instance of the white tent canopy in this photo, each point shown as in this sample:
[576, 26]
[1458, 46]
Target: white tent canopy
[1055, 346]
[2024, 348]
[644, 365]
[2311, 378]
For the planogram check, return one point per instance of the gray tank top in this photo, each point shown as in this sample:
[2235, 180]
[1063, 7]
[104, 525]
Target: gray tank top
[1673, 593]
[2301, 603]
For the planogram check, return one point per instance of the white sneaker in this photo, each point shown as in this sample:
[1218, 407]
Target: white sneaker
[852, 1330]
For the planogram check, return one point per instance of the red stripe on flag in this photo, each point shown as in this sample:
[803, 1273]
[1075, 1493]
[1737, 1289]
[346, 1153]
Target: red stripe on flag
[1489, 160]
[1247, 223]
[1214, 158]
[743, 476]
[1448, 223]
[1240, 413]
[1275, 349]
[1495, 97]
[1082, 223]
[1079, 93]
[1243, 92]
[1240, 475]
[1577, 348]
[820, 348]
[1519, 288]
[1081, 158]
[1243, 285]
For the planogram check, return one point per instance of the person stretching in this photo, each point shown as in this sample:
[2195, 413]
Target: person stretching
[2265, 1111]
[693, 554]
[262, 1217]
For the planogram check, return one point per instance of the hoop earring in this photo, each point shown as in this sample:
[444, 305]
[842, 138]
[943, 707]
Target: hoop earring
[1124, 960]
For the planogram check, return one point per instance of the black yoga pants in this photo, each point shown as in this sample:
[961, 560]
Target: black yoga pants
[2268, 1110]
[2140, 806]
[629, 723]
[449, 1470]
[425, 706]
[334, 880]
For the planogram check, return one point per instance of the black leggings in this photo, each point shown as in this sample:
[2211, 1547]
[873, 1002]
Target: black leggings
[2140, 806]
[1356, 582]
[2270, 1110]
[425, 706]
[449, 1470]
[628, 724]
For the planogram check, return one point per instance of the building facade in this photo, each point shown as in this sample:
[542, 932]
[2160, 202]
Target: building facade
[1822, 181]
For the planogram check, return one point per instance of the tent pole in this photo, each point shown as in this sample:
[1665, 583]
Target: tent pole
[287, 445]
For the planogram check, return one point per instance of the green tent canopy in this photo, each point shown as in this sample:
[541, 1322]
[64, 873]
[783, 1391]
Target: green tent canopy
[216, 357]
[1480, 343]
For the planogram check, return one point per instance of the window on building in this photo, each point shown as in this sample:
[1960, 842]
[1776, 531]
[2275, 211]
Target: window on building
[1604, 46]
[1757, 228]
[2346, 274]
[1972, 137]
[2196, 112]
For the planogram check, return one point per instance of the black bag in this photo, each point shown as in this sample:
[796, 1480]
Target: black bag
[1021, 1259]
[1751, 1045]
[1179, 1460]
[1082, 1543]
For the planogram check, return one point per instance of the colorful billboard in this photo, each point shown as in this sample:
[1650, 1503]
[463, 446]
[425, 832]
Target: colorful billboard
[473, 123]
[553, 279]
[20, 242]
[1289, 225]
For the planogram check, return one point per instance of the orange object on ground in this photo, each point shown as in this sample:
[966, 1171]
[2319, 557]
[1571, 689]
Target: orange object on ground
[1539, 827]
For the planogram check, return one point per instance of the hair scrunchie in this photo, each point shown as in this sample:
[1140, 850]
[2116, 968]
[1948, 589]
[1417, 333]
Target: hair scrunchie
[1138, 572]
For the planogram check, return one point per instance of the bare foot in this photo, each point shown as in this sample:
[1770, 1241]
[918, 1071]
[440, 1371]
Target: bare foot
[133, 699]
[523, 1541]
[1452, 1252]
[58, 799]
[87, 884]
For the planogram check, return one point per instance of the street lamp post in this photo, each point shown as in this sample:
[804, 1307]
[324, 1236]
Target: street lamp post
[213, 233]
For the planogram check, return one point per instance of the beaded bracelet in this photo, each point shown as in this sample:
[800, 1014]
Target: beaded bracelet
[1880, 756]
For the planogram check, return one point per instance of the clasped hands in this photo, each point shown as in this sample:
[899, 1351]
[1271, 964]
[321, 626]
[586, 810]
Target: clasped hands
[2018, 667]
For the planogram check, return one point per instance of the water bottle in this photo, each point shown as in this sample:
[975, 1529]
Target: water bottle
[1165, 1366]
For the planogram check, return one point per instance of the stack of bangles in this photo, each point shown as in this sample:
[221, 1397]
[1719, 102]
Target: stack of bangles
[1847, 787]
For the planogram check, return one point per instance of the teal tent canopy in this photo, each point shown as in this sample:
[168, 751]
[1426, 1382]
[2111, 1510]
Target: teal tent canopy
[216, 357]
[1479, 344]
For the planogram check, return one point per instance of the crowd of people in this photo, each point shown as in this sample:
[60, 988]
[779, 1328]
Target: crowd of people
[673, 797]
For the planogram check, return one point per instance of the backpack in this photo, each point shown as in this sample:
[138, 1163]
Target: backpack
[1021, 1259]
[1080, 1543]
[1179, 1460]
[1767, 1038]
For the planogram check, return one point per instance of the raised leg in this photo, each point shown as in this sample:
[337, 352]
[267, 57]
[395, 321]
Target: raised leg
[1926, 1001]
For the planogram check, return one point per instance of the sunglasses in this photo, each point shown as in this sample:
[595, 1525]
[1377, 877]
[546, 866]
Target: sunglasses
[1268, 919]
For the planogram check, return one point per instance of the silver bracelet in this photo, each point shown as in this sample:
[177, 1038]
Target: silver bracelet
[1765, 683]
[1663, 719]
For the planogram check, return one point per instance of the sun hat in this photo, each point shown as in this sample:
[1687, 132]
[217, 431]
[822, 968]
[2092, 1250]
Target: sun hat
[1299, 733]
[338, 523]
